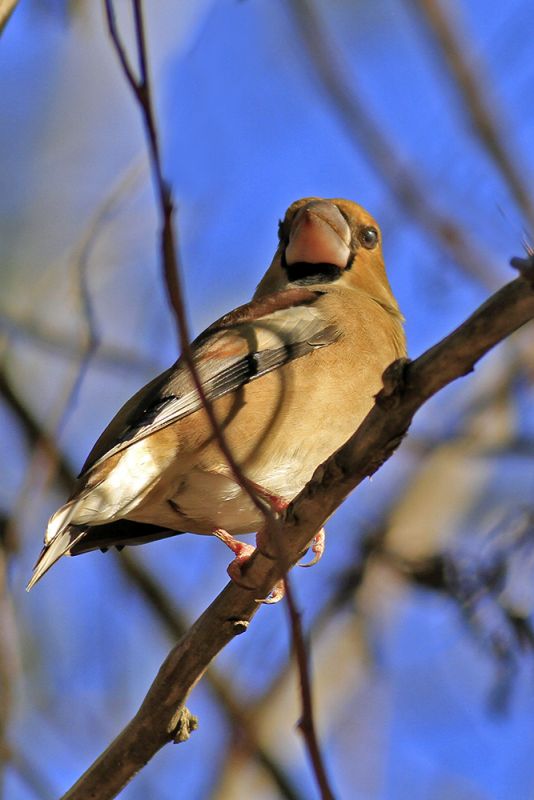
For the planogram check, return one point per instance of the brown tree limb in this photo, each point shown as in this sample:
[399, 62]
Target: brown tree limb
[218, 684]
[160, 603]
[369, 542]
[407, 386]
[6, 9]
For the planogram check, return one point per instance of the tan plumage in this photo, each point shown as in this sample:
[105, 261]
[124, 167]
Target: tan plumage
[290, 375]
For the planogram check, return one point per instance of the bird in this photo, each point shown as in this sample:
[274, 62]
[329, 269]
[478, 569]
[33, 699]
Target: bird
[289, 375]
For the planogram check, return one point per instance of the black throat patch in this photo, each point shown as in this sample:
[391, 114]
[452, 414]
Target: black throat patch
[303, 274]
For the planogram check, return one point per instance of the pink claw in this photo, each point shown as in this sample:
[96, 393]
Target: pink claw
[276, 594]
[317, 548]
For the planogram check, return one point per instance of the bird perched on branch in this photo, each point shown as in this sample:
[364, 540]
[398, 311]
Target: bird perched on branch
[290, 376]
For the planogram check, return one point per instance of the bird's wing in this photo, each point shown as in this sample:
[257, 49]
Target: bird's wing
[247, 343]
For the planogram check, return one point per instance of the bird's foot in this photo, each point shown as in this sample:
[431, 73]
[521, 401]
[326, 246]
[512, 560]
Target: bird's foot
[235, 568]
[242, 554]
[317, 548]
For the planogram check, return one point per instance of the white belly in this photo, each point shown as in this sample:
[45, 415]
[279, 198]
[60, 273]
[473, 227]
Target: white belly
[207, 499]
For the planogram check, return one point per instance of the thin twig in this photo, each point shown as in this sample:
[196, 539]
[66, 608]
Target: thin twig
[400, 177]
[407, 386]
[346, 582]
[142, 91]
[170, 262]
[176, 625]
[306, 723]
[474, 91]
[19, 327]
[158, 600]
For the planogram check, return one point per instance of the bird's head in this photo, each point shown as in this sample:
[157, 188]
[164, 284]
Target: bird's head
[325, 242]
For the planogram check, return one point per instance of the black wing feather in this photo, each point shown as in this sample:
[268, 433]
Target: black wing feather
[295, 331]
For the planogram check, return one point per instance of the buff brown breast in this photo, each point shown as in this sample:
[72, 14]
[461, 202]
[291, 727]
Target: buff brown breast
[290, 377]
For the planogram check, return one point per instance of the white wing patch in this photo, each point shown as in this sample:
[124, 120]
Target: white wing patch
[119, 493]
[258, 347]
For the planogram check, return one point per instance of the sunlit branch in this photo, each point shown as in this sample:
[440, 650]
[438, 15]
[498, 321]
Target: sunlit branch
[407, 386]
[218, 684]
[306, 723]
[154, 595]
[6, 9]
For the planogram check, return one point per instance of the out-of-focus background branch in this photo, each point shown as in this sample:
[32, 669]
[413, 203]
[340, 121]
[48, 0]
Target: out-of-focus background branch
[6, 9]
[421, 607]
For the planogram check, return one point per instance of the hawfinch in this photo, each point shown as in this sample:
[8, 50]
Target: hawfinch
[290, 376]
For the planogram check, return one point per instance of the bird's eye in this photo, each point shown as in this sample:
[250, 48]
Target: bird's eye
[280, 229]
[368, 237]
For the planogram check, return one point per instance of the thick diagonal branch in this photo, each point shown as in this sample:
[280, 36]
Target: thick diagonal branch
[407, 386]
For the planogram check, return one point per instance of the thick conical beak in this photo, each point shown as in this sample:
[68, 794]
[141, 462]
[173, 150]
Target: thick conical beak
[319, 235]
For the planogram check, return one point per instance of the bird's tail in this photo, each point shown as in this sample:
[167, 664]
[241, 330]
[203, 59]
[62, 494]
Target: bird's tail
[60, 536]
[98, 502]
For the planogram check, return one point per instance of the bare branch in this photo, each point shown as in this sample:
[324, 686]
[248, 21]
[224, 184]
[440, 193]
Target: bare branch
[169, 250]
[478, 105]
[120, 49]
[36, 435]
[6, 9]
[171, 266]
[407, 386]
[306, 723]
[154, 595]
[399, 176]
[219, 684]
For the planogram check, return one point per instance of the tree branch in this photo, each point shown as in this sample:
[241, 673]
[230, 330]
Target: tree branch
[171, 268]
[169, 251]
[478, 104]
[218, 683]
[154, 595]
[409, 189]
[407, 386]
[306, 723]
[6, 9]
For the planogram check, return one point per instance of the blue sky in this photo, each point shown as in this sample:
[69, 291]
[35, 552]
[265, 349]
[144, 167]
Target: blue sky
[246, 128]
